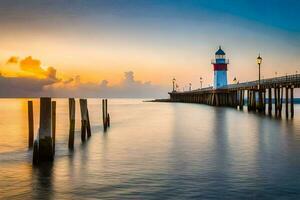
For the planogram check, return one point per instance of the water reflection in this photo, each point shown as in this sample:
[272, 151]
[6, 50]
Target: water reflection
[43, 181]
[157, 150]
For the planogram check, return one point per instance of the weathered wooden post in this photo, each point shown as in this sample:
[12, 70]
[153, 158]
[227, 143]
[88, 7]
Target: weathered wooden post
[248, 100]
[53, 124]
[104, 113]
[241, 99]
[254, 101]
[72, 122]
[270, 101]
[88, 128]
[280, 100]
[276, 100]
[264, 101]
[43, 147]
[292, 102]
[286, 102]
[30, 124]
[83, 109]
[260, 103]
[107, 115]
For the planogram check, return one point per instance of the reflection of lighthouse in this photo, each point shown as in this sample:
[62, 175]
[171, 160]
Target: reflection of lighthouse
[220, 69]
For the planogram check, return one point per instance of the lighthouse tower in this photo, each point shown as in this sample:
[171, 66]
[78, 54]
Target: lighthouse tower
[220, 69]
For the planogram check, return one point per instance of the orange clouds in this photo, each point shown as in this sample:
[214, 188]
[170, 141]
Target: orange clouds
[25, 77]
[33, 66]
[12, 60]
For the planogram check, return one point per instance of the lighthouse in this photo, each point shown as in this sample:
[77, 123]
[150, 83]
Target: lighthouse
[220, 69]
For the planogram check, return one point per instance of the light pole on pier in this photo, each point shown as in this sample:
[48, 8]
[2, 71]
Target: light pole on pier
[235, 80]
[259, 60]
[200, 82]
[174, 84]
[190, 87]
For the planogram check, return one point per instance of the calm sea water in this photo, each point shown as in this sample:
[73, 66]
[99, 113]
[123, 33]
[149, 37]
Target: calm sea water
[154, 151]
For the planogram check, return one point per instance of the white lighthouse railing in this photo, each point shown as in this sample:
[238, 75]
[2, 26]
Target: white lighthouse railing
[225, 61]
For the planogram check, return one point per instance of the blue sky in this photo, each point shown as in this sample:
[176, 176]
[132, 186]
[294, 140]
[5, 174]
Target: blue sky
[156, 39]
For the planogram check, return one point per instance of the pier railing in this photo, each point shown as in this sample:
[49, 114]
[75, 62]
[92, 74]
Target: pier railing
[282, 81]
[233, 95]
[270, 82]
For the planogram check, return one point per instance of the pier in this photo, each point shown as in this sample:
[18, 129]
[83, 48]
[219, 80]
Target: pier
[259, 95]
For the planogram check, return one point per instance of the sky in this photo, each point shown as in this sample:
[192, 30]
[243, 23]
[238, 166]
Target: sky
[134, 48]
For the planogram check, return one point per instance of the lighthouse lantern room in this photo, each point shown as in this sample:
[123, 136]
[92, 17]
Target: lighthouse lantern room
[220, 69]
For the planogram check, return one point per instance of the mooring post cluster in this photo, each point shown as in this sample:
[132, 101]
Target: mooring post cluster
[44, 144]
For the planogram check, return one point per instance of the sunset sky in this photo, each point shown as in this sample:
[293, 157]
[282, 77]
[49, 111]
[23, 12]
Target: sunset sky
[136, 47]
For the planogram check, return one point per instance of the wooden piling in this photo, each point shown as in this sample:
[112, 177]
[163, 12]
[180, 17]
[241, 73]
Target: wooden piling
[53, 124]
[276, 101]
[292, 102]
[89, 132]
[254, 101]
[71, 122]
[104, 113]
[287, 102]
[45, 143]
[264, 101]
[280, 101]
[270, 101]
[260, 103]
[30, 124]
[107, 115]
[241, 99]
[83, 109]
[248, 100]
[83, 130]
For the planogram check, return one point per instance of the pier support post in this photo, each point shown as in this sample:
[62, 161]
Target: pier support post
[270, 101]
[248, 100]
[276, 101]
[30, 124]
[243, 98]
[260, 101]
[264, 101]
[254, 101]
[71, 122]
[292, 102]
[280, 100]
[286, 102]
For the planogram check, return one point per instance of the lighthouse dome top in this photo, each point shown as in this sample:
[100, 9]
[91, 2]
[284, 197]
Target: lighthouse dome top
[220, 52]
